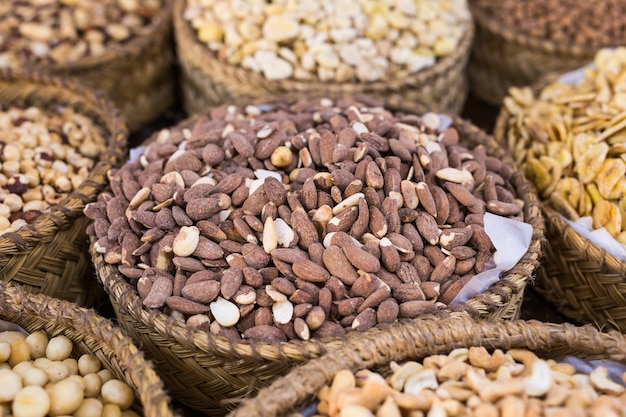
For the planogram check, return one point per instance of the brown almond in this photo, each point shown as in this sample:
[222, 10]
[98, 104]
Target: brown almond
[310, 271]
[444, 270]
[201, 292]
[408, 292]
[382, 293]
[416, 308]
[338, 265]
[232, 278]
[360, 259]
[366, 319]
[387, 311]
[186, 306]
[265, 333]
[364, 286]
[427, 227]
[430, 289]
[453, 237]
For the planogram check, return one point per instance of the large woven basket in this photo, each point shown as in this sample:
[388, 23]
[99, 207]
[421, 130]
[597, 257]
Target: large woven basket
[91, 334]
[424, 337]
[208, 81]
[211, 373]
[584, 282]
[50, 256]
[139, 76]
[502, 58]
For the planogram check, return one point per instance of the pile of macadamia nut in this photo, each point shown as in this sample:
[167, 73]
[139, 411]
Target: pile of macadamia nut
[66, 31]
[44, 155]
[290, 221]
[39, 377]
[330, 40]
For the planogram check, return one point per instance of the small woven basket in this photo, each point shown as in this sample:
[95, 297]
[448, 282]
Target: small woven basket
[425, 337]
[502, 58]
[208, 81]
[50, 255]
[211, 373]
[91, 334]
[584, 282]
[139, 77]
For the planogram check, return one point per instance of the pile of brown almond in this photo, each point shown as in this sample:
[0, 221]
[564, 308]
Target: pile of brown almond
[309, 219]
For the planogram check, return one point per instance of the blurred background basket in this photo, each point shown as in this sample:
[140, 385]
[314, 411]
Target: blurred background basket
[138, 76]
[212, 373]
[425, 337]
[50, 255]
[91, 334]
[584, 282]
[208, 81]
[501, 57]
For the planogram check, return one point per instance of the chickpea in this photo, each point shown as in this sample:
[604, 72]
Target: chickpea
[105, 375]
[65, 397]
[90, 407]
[42, 363]
[5, 348]
[57, 371]
[10, 336]
[118, 392]
[93, 385]
[35, 376]
[20, 352]
[37, 341]
[111, 410]
[59, 348]
[88, 364]
[72, 365]
[11, 384]
[22, 367]
[14, 202]
[31, 401]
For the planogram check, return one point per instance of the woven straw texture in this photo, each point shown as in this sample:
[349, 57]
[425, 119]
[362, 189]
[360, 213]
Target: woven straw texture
[583, 282]
[50, 256]
[207, 81]
[502, 58]
[91, 334]
[139, 77]
[211, 373]
[430, 336]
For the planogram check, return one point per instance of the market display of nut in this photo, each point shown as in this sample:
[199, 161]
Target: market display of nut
[39, 377]
[586, 23]
[571, 141]
[44, 155]
[65, 31]
[338, 41]
[296, 220]
[473, 382]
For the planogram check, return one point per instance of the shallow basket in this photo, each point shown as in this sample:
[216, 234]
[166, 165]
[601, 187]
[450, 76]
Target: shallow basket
[502, 58]
[211, 373]
[584, 282]
[50, 256]
[425, 337]
[139, 76]
[208, 81]
[91, 334]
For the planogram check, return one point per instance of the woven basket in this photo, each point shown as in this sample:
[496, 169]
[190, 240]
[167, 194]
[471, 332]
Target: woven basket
[50, 256]
[91, 334]
[207, 81]
[139, 77]
[424, 337]
[210, 373]
[583, 282]
[502, 58]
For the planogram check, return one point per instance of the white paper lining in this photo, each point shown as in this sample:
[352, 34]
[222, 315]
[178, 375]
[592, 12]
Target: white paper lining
[599, 237]
[511, 238]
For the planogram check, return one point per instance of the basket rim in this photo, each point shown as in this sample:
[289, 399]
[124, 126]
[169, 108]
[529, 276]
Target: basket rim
[569, 236]
[160, 24]
[510, 35]
[497, 296]
[423, 337]
[113, 125]
[195, 53]
[61, 315]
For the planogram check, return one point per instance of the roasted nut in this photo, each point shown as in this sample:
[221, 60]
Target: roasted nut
[343, 236]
